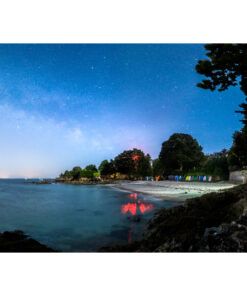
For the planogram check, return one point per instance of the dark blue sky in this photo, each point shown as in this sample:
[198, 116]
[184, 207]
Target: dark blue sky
[66, 105]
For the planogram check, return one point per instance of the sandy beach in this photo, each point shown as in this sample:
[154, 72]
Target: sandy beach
[171, 190]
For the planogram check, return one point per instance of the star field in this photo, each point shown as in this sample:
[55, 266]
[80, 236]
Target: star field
[67, 105]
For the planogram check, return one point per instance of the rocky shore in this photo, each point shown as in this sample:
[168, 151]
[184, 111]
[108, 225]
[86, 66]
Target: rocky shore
[43, 182]
[85, 181]
[17, 241]
[214, 222]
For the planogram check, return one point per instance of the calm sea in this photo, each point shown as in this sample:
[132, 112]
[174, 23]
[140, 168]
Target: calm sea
[75, 218]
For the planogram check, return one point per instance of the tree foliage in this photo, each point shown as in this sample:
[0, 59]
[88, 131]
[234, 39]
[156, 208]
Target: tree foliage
[238, 153]
[227, 66]
[77, 172]
[180, 153]
[91, 168]
[86, 174]
[157, 167]
[125, 164]
[216, 164]
[107, 168]
[144, 166]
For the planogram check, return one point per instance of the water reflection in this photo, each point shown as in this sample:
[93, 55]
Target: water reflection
[131, 207]
[138, 205]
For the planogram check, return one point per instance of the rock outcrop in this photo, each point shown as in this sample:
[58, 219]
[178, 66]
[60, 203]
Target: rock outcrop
[84, 181]
[17, 241]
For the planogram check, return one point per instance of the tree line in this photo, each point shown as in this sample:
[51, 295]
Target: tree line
[180, 155]
[133, 163]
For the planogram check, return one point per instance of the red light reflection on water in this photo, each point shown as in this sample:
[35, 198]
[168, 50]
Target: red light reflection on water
[133, 195]
[143, 208]
[133, 207]
[130, 234]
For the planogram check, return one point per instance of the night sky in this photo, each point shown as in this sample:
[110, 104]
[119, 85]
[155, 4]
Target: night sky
[67, 105]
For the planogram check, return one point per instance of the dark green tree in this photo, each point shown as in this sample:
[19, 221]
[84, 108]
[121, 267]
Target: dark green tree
[125, 163]
[179, 154]
[103, 165]
[157, 167]
[86, 174]
[107, 168]
[144, 165]
[217, 164]
[91, 168]
[227, 66]
[67, 174]
[76, 172]
[238, 153]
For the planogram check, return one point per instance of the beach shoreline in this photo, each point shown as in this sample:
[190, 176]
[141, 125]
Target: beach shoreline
[170, 190]
[165, 190]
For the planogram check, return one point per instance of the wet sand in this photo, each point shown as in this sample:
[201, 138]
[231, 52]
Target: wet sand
[172, 190]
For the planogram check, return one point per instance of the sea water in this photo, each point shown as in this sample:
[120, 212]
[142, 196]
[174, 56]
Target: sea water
[75, 218]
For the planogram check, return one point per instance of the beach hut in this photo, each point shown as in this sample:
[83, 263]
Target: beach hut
[204, 178]
[157, 178]
[195, 178]
[187, 178]
[201, 178]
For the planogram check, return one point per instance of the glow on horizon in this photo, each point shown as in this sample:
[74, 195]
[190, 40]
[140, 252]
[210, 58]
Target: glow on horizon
[34, 143]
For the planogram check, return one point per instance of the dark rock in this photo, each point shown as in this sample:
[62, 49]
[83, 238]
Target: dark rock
[44, 182]
[17, 241]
